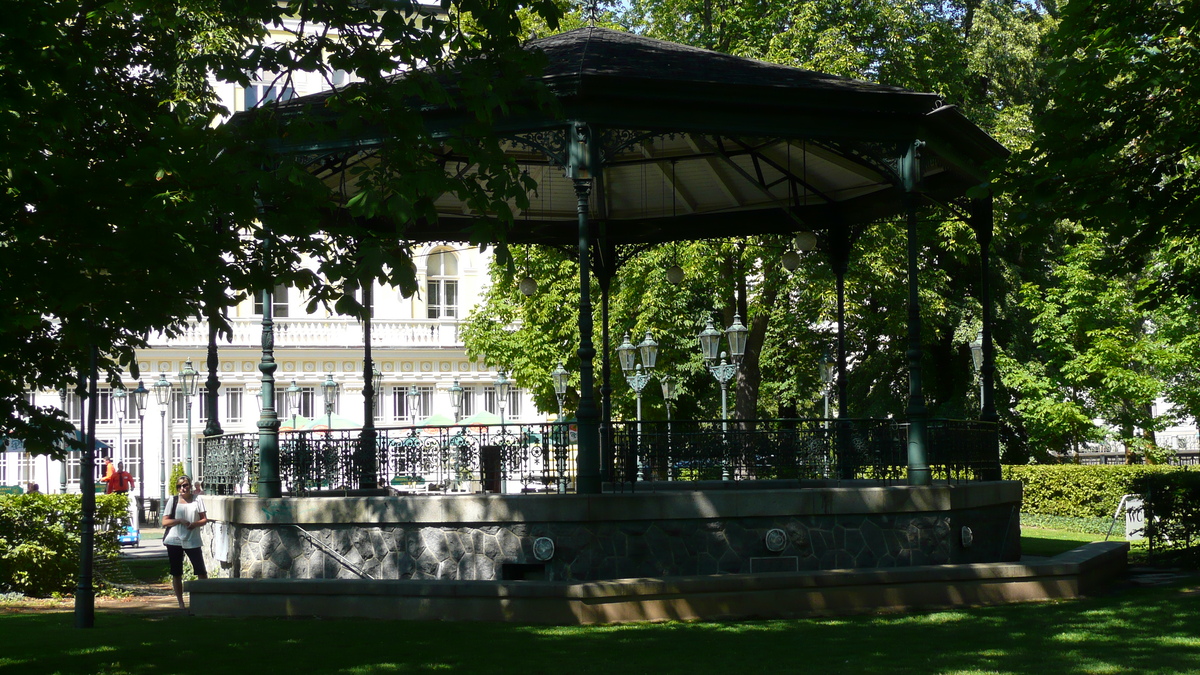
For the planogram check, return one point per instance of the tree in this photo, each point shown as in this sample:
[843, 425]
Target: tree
[982, 54]
[124, 208]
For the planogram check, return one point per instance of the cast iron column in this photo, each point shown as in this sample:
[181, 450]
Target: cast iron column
[982, 221]
[839, 257]
[212, 385]
[604, 275]
[366, 465]
[917, 414]
[581, 169]
[268, 421]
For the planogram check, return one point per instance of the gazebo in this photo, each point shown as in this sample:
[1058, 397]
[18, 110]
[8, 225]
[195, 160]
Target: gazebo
[659, 142]
[656, 142]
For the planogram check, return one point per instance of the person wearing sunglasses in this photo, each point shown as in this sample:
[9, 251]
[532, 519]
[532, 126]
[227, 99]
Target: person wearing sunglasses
[183, 523]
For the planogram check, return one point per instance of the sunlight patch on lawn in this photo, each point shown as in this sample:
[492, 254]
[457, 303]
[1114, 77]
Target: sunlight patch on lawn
[1178, 641]
[378, 668]
[935, 619]
[99, 649]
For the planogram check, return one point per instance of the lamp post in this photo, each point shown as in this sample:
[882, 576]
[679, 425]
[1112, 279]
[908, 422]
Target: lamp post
[977, 359]
[120, 405]
[562, 432]
[710, 345]
[413, 398]
[827, 366]
[162, 394]
[638, 374]
[139, 402]
[187, 387]
[456, 399]
[329, 390]
[503, 385]
[560, 376]
[291, 398]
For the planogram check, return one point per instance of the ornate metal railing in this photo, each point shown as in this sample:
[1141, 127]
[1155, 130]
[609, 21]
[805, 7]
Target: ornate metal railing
[798, 449]
[511, 458]
[525, 458]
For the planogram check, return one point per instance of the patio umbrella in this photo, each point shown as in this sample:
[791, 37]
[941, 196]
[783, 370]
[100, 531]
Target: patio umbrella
[482, 418]
[302, 422]
[436, 420]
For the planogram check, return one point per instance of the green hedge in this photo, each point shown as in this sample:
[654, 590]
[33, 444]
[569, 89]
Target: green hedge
[40, 536]
[1076, 490]
[1172, 510]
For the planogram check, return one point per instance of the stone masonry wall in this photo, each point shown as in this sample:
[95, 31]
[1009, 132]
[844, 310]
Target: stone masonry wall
[593, 551]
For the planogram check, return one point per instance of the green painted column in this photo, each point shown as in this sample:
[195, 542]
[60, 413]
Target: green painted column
[365, 459]
[269, 486]
[982, 221]
[917, 413]
[583, 161]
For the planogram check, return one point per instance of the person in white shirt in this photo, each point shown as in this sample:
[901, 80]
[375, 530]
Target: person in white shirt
[182, 535]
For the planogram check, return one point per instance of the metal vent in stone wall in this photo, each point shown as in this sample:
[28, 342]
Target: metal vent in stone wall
[787, 563]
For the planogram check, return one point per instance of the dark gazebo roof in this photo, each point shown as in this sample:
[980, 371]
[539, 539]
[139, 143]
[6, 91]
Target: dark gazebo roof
[698, 144]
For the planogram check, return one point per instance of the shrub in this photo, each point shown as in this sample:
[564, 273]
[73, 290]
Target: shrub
[40, 538]
[1172, 502]
[1078, 491]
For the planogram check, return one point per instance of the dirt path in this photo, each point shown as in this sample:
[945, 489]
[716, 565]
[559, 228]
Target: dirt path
[146, 600]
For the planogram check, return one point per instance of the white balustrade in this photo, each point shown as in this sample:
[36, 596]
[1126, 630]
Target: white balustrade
[247, 332]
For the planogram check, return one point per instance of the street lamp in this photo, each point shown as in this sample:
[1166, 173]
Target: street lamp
[456, 399]
[977, 359]
[187, 388]
[827, 366]
[291, 398]
[413, 397]
[120, 406]
[139, 402]
[560, 376]
[638, 374]
[710, 345]
[329, 390]
[162, 394]
[503, 385]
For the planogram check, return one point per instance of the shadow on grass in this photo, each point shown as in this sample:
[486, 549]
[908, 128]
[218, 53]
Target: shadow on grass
[1135, 630]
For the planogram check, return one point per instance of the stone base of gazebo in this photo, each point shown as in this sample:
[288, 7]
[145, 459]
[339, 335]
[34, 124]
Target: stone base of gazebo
[735, 528]
[697, 598]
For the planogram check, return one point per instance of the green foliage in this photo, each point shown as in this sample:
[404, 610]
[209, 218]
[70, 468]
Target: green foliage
[1070, 524]
[1172, 510]
[110, 151]
[176, 472]
[40, 539]
[1077, 491]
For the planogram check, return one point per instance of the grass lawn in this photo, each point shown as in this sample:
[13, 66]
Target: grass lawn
[1129, 631]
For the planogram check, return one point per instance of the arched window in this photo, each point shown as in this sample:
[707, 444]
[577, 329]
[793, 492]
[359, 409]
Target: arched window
[441, 284]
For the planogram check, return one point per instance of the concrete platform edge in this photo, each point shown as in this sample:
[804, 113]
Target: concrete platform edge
[720, 597]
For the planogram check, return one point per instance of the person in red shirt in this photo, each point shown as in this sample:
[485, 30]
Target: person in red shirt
[122, 481]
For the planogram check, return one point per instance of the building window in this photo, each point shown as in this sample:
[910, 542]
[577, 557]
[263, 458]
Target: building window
[424, 407]
[176, 455]
[133, 458]
[233, 404]
[178, 407]
[25, 468]
[279, 302]
[202, 412]
[441, 285]
[74, 409]
[104, 407]
[514, 402]
[468, 402]
[74, 461]
[512, 407]
[263, 93]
